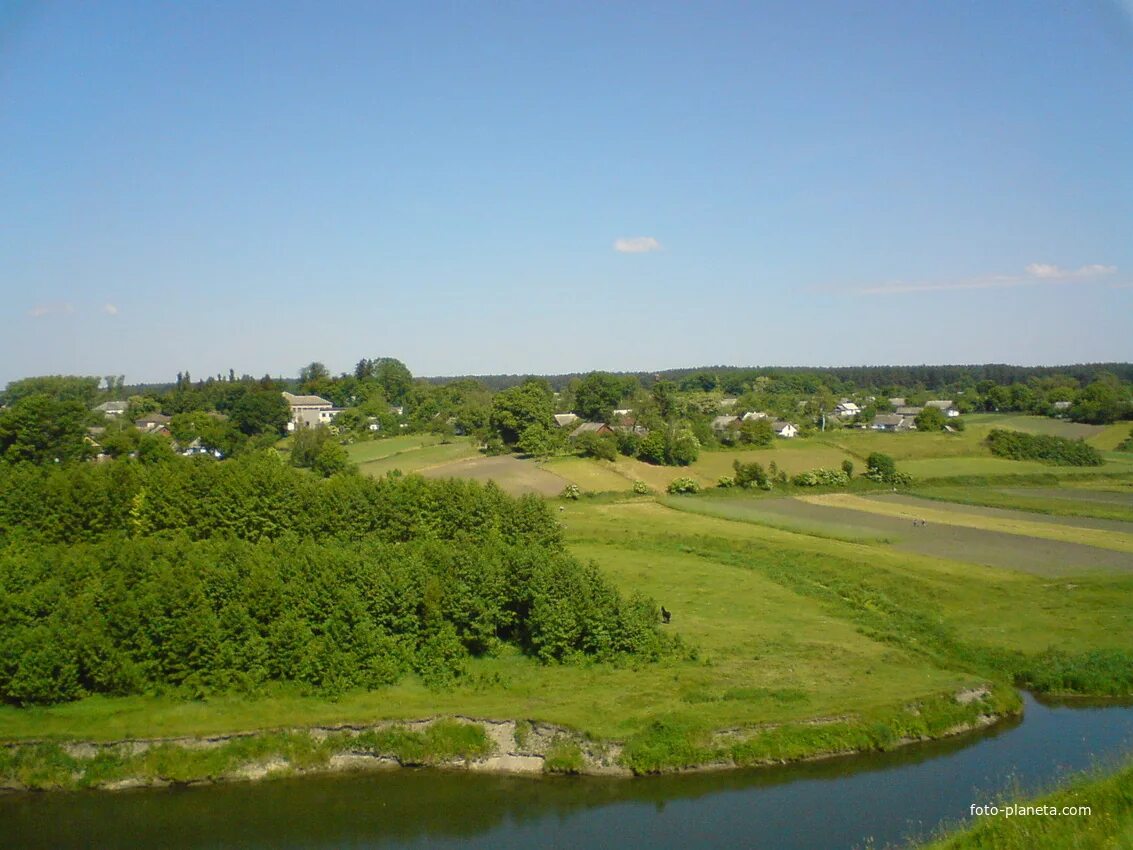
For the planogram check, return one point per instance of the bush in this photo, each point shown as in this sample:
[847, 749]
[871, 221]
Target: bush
[641, 488]
[821, 478]
[571, 491]
[1045, 448]
[683, 485]
[848, 467]
[751, 475]
[726, 481]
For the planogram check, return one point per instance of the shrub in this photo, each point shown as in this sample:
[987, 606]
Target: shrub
[1045, 448]
[641, 488]
[821, 478]
[751, 475]
[571, 491]
[683, 485]
[726, 481]
[848, 467]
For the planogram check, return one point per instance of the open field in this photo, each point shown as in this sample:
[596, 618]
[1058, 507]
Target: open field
[792, 609]
[1037, 425]
[951, 467]
[369, 450]
[591, 475]
[917, 503]
[940, 538]
[1019, 524]
[416, 457]
[512, 474]
[1055, 501]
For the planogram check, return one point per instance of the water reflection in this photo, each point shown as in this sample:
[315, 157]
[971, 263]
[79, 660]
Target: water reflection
[835, 803]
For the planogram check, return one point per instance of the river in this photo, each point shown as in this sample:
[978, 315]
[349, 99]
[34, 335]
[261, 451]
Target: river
[838, 803]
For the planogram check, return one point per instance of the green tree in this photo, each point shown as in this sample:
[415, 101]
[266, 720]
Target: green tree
[261, 412]
[756, 432]
[597, 394]
[393, 377]
[931, 419]
[538, 440]
[515, 409]
[43, 429]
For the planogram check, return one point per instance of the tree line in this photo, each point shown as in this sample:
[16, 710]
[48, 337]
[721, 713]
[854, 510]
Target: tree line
[201, 576]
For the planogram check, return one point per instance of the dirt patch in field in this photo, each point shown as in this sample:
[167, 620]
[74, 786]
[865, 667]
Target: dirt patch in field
[1007, 513]
[971, 545]
[513, 475]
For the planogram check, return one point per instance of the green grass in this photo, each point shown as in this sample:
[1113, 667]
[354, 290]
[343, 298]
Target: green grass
[1046, 501]
[953, 467]
[368, 450]
[1108, 825]
[800, 642]
[592, 476]
[419, 458]
[745, 508]
[1105, 539]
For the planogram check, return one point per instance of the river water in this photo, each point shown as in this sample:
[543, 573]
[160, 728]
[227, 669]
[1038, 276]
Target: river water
[839, 803]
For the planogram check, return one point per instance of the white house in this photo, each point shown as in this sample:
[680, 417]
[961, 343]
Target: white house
[784, 429]
[847, 409]
[755, 414]
[565, 419]
[944, 406]
[309, 411]
[113, 408]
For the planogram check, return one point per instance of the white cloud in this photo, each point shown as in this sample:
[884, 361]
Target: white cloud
[636, 245]
[1046, 271]
[1036, 274]
[110, 309]
[40, 311]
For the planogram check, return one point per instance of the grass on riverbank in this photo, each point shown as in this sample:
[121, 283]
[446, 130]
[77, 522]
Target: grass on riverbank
[1108, 824]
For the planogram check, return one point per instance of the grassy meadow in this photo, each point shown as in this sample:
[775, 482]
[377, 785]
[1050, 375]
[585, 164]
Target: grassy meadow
[810, 622]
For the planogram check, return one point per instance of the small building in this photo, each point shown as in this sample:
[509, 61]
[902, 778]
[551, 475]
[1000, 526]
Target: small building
[755, 414]
[598, 428]
[891, 422]
[784, 429]
[564, 420]
[1062, 406]
[897, 401]
[846, 409]
[309, 411]
[623, 412]
[944, 406]
[153, 422]
[905, 410]
[112, 409]
[722, 424]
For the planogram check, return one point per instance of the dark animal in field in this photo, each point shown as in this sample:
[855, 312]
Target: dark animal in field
[665, 615]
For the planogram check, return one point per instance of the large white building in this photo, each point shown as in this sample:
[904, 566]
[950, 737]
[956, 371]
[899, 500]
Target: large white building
[309, 411]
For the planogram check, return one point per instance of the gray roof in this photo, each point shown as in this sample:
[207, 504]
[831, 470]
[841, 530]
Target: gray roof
[909, 411]
[722, 422]
[589, 428]
[564, 419]
[943, 405]
[155, 418]
[113, 407]
[306, 400]
[890, 419]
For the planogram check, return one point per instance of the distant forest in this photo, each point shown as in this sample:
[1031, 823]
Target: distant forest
[837, 378]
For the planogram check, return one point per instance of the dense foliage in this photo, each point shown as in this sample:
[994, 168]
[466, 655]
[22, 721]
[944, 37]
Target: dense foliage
[1045, 448]
[122, 578]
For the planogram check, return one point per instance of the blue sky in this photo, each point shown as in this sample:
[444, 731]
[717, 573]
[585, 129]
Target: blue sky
[552, 187]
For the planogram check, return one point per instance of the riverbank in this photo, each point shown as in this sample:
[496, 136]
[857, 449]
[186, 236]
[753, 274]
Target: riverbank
[483, 745]
[1090, 812]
